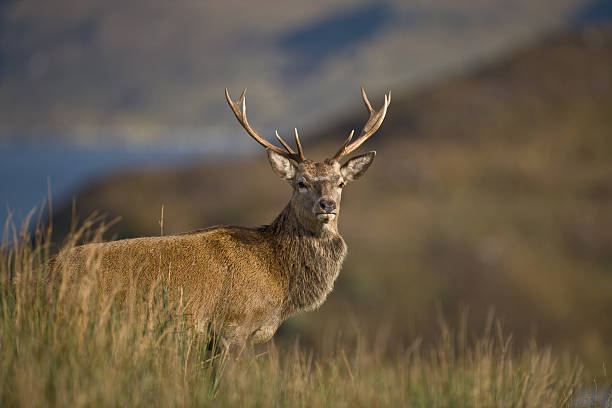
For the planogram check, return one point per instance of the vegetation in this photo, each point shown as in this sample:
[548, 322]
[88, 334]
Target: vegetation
[65, 342]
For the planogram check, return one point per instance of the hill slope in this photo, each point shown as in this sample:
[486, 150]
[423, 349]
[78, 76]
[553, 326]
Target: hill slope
[146, 72]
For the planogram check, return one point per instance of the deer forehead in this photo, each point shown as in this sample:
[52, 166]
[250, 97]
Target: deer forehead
[320, 171]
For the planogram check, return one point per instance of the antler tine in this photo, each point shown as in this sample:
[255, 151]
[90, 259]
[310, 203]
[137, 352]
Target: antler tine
[299, 145]
[300, 153]
[376, 119]
[285, 145]
[340, 152]
[366, 101]
[239, 109]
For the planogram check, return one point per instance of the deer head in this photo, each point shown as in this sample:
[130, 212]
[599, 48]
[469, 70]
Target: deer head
[317, 186]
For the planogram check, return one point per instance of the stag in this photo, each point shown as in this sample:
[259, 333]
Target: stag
[257, 277]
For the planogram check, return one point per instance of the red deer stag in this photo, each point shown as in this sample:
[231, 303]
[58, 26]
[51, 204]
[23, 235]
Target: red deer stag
[258, 276]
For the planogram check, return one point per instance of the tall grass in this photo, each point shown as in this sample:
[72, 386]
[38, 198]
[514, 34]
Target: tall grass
[66, 342]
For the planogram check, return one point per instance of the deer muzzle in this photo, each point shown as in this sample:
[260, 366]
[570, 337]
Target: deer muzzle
[326, 217]
[326, 208]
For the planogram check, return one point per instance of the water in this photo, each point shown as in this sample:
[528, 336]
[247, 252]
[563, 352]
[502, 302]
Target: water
[26, 171]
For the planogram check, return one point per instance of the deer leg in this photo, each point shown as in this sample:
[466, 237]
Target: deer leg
[235, 343]
[263, 334]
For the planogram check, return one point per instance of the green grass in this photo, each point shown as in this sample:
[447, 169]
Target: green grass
[65, 342]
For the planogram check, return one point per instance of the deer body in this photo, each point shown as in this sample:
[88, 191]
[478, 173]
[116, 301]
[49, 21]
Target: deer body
[257, 277]
[254, 278]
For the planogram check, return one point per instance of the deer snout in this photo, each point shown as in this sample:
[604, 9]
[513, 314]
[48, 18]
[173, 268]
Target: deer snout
[326, 205]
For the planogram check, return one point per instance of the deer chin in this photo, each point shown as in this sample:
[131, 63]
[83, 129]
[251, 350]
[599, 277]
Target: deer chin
[326, 218]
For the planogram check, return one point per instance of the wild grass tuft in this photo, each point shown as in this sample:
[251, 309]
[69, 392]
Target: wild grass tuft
[66, 342]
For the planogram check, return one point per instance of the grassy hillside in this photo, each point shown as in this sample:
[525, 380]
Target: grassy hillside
[491, 190]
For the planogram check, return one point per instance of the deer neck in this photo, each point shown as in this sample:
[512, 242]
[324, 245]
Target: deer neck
[311, 257]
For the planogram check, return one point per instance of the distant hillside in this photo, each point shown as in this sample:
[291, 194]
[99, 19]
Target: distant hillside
[489, 190]
[149, 72]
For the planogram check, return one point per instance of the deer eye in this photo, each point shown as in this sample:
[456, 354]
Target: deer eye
[301, 184]
[342, 184]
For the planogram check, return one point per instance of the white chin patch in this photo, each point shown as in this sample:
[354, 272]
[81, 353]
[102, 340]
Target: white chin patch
[325, 218]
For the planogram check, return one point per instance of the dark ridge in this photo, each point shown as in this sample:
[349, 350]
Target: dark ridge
[596, 12]
[313, 44]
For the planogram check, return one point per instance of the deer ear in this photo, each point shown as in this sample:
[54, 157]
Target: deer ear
[357, 166]
[281, 165]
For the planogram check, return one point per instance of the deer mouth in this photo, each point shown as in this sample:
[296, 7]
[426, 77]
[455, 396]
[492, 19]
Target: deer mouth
[326, 217]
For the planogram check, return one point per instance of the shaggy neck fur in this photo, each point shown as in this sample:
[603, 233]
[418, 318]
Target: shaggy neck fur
[312, 257]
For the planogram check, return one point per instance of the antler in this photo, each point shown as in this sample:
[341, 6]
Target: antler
[239, 109]
[371, 126]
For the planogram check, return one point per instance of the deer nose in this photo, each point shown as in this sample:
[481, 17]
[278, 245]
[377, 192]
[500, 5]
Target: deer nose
[327, 205]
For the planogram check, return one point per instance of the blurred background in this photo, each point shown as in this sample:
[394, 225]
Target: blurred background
[492, 189]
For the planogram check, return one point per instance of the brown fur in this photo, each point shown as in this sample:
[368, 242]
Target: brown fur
[256, 277]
